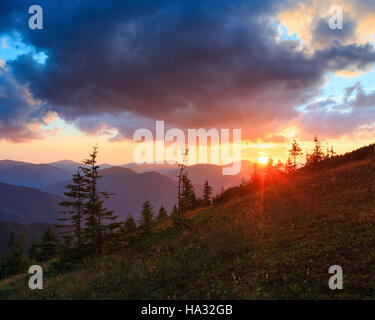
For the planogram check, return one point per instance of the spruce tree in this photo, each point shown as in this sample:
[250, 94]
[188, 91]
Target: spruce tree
[33, 252]
[147, 217]
[174, 211]
[14, 261]
[49, 244]
[100, 228]
[294, 152]
[279, 165]
[188, 199]
[289, 166]
[129, 225]
[318, 154]
[76, 195]
[179, 221]
[162, 215]
[128, 230]
[207, 193]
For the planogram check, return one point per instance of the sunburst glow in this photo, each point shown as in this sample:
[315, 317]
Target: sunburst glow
[263, 159]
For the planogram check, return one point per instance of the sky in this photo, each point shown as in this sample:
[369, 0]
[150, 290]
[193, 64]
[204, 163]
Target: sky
[100, 70]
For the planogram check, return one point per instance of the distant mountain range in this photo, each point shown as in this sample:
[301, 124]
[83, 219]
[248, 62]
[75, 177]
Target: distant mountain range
[38, 176]
[67, 165]
[132, 184]
[141, 168]
[6, 164]
[27, 205]
[71, 166]
[199, 173]
[131, 189]
[31, 175]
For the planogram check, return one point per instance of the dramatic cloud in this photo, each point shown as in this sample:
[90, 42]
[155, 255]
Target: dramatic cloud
[119, 64]
[355, 113]
[20, 116]
[323, 35]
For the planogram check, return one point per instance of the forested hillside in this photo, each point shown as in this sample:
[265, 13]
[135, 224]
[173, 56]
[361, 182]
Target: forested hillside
[275, 242]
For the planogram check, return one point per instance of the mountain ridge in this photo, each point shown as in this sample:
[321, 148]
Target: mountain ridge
[130, 190]
[36, 206]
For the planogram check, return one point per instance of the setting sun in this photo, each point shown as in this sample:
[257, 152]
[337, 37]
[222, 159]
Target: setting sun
[263, 159]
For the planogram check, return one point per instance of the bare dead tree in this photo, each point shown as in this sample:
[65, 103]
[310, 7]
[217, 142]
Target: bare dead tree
[185, 154]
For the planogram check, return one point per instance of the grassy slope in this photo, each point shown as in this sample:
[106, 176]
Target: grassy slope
[238, 251]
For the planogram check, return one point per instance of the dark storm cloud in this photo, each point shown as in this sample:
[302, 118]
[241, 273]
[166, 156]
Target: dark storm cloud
[190, 63]
[323, 34]
[18, 110]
